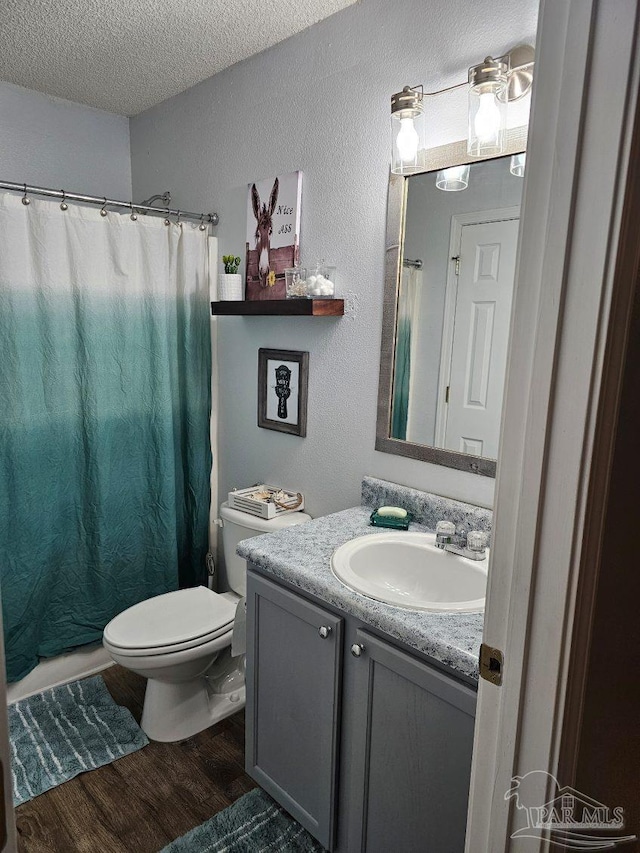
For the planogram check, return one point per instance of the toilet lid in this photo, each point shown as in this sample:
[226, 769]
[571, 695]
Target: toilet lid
[177, 618]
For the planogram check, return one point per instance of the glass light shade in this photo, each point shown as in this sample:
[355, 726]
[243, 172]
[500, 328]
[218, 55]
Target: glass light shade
[407, 140]
[454, 179]
[516, 167]
[487, 119]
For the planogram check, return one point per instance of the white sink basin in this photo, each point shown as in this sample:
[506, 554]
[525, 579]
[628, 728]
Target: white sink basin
[407, 570]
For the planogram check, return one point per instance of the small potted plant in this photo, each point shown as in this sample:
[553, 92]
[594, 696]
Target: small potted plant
[230, 281]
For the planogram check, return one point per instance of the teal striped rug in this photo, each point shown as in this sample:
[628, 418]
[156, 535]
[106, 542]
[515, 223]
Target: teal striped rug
[253, 824]
[57, 734]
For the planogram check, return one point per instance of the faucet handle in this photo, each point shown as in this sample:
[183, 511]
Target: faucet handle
[476, 540]
[445, 533]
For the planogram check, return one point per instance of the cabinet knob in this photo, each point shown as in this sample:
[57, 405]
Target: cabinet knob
[357, 649]
[324, 631]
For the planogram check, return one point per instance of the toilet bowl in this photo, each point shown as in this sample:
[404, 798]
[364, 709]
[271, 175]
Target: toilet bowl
[181, 642]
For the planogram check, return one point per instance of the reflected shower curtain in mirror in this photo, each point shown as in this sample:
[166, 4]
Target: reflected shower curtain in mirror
[105, 363]
[408, 308]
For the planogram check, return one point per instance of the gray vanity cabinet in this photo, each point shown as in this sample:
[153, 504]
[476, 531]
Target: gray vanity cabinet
[411, 755]
[294, 677]
[401, 740]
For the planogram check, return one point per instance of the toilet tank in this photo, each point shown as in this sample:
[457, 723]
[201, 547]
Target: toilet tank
[236, 526]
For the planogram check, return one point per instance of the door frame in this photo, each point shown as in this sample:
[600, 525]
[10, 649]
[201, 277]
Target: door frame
[573, 299]
[458, 222]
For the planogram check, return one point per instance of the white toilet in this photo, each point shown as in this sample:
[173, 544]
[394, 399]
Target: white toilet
[181, 642]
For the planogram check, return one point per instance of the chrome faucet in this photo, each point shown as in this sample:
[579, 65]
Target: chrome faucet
[475, 543]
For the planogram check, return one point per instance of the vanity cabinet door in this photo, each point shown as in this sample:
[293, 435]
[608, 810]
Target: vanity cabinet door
[411, 760]
[294, 673]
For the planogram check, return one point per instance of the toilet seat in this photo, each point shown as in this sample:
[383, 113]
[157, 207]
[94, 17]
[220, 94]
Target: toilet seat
[173, 622]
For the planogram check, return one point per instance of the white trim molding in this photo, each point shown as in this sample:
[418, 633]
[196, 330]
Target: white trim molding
[583, 115]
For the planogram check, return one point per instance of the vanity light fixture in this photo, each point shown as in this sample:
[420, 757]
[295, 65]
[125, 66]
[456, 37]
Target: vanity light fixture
[487, 107]
[407, 130]
[492, 85]
[517, 164]
[453, 180]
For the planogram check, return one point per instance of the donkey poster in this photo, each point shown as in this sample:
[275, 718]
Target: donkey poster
[273, 232]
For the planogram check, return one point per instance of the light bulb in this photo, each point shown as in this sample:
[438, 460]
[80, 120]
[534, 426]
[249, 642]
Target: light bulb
[487, 120]
[407, 140]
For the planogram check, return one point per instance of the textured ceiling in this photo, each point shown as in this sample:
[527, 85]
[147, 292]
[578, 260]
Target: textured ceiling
[126, 56]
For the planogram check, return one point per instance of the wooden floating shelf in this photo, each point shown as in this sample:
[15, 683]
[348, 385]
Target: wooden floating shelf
[280, 308]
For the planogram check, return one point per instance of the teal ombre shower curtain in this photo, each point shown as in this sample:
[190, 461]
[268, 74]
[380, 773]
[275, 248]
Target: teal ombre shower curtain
[409, 298]
[105, 362]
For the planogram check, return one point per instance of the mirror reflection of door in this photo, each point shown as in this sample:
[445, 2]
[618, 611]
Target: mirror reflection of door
[476, 332]
[453, 312]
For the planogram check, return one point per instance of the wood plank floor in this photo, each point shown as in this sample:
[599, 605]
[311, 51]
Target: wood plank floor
[143, 801]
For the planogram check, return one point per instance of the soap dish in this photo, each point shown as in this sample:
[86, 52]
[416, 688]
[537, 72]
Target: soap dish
[390, 521]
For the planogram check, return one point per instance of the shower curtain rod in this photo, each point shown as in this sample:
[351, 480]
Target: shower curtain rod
[26, 190]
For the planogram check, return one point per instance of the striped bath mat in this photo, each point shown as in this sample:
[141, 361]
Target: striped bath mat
[59, 733]
[253, 824]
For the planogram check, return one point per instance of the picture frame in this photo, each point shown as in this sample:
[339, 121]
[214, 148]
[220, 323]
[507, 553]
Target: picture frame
[283, 381]
[273, 235]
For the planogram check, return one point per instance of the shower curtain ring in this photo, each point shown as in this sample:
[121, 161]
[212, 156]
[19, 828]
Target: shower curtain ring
[103, 212]
[63, 203]
[134, 216]
[25, 200]
[203, 227]
[178, 222]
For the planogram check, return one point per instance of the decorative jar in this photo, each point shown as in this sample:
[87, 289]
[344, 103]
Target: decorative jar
[321, 282]
[295, 282]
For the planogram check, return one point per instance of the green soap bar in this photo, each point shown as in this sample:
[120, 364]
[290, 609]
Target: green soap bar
[392, 512]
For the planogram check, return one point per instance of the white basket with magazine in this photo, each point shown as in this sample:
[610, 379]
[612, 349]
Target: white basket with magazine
[266, 501]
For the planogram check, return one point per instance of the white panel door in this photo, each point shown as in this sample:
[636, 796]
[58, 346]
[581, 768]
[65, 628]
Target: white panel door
[481, 336]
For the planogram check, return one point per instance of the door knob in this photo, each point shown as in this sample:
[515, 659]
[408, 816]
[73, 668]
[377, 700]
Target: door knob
[357, 649]
[324, 631]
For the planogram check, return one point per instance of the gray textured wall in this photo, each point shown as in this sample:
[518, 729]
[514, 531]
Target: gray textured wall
[55, 143]
[320, 102]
